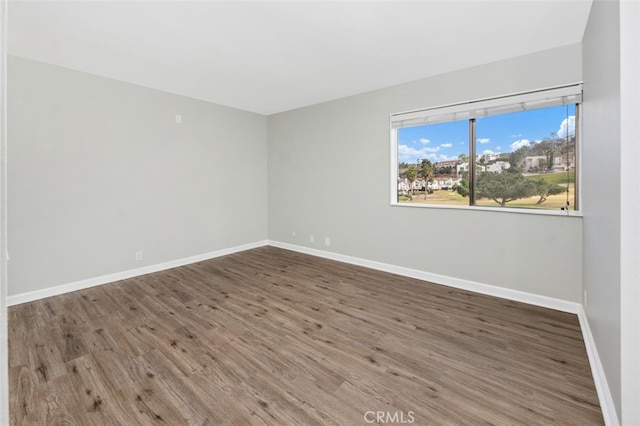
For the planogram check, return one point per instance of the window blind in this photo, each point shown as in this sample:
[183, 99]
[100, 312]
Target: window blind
[563, 95]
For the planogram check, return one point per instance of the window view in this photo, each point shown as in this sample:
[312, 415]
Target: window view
[524, 159]
[429, 162]
[536, 168]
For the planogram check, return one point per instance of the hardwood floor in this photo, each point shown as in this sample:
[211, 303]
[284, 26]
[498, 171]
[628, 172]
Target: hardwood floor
[269, 336]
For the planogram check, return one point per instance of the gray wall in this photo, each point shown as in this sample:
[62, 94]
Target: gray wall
[630, 203]
[329, 177]
[4, 364]
[601, 193]
[99, 169]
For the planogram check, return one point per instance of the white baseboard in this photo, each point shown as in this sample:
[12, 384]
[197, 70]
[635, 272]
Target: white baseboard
[520, 296]
[491, 290]
[599, 378]
[92, 282]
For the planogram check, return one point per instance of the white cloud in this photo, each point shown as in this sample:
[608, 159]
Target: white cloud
[424, 141]
[498, 148]
[446, 145]
[519, 144]
[488, 151]
[567, 125]
[516, 136]
[409, 154]
[406, 153]
[483, 140]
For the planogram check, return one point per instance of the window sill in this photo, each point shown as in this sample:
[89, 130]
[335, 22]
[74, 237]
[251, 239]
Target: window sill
[566, 213]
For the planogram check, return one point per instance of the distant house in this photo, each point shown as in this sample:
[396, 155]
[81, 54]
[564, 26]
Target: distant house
[464, 167]
[443, 182]
[561, 164]
[498, 166]
[533, 162]
[488, 157]
[446, 167]
[404, 186]
[447, 163]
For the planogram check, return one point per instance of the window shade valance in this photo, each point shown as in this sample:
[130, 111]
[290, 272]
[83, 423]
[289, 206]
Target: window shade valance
[563, 95]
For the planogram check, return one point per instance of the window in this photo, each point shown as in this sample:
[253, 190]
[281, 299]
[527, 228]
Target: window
[519, 151]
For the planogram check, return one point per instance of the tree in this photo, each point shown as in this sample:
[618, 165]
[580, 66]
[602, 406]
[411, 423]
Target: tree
[542, 165]
[411, 175]
[446, 170]
[426, 172]
[543, 189]
[516, 158]
[463, 158]
[548, 148]
[503, 187]
[462, 188]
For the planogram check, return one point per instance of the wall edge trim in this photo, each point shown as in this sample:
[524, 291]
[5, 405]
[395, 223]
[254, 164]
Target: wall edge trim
[117, 276]
[597, 371]
[487, 289]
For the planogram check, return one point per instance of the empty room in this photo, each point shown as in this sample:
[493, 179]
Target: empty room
[320, 212]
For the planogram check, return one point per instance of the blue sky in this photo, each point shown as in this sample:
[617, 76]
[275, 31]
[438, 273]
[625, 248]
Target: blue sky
[494, 134]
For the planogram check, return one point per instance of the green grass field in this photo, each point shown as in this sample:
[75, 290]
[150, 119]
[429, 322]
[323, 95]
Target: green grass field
[558, 178]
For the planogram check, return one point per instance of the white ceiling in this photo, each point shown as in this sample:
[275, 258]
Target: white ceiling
[268, 56]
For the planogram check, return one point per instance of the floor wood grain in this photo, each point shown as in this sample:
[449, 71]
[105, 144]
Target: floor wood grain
[274, 337]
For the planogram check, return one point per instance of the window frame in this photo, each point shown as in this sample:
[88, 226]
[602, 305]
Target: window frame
[469, 111]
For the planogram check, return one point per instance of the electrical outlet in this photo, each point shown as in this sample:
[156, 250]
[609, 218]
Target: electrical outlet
[312, 239]
[178, 119]
[293, 233]
[327, 241]
[585, 297]
[138, 255]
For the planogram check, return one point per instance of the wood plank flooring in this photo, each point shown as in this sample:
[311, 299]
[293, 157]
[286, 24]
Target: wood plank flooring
[274, 337]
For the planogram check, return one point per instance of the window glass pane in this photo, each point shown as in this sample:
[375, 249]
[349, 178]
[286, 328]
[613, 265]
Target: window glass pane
[432, 160]
[527, 159]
